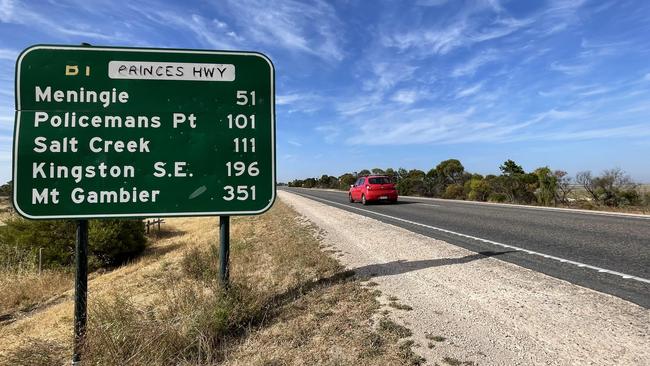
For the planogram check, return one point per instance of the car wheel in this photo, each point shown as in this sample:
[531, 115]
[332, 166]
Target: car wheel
[350, 198]
[363, 199]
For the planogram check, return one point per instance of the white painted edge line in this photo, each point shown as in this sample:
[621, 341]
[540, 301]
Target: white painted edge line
[527, 251]
[512, 205]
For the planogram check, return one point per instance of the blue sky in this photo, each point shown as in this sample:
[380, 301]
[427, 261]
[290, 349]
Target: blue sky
[364, 84]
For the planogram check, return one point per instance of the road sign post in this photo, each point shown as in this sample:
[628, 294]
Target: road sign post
[80, 289]
[105, 132]
[224, 250]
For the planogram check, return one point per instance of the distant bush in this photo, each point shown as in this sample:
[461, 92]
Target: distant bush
[497, 197]
[56, 237]
[111, 242]
[612, 188]
[6, 189]
[646, 199]
[543, 186]
[454, 191]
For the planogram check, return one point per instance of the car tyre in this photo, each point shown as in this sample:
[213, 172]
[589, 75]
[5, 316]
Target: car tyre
[363, 199]
[350, 198]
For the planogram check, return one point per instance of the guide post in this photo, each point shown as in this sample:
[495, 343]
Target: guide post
[107, 132]
[224, 250]
[80, 289]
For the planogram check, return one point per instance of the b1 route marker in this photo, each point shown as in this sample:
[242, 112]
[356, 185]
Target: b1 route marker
[125, 132]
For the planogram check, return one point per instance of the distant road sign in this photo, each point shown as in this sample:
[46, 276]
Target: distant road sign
[125, 132]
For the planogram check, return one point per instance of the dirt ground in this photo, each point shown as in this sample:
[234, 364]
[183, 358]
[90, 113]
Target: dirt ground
[471, 309]
[311, 311]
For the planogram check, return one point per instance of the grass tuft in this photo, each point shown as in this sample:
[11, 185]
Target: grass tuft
[36, 352]
[399, 306]
[389, 326]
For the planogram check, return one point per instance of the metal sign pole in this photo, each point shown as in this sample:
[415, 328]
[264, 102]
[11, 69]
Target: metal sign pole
[81, 289]
[224, 249]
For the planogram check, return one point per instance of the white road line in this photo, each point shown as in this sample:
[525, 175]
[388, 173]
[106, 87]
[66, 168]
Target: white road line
[426, 204]
[562, 260]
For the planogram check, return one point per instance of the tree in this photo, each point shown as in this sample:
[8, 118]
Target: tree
[7, 189]
[410, 182]
[309, 183]
[479, 188]
[585, 179]
[510, 168]
[564, 188]
[516, 184]
[364, 172]
[391, 173]
[434, 183]
[612, 188]
[452, 171]
[378, 171]
[547, 186]
[346, 180]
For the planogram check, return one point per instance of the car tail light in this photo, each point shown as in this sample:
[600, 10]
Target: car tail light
[368, 187]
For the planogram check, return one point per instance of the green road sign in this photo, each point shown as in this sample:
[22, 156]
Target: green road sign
[124, 132]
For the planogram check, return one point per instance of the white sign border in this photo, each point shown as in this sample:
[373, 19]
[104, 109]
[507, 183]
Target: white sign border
[140, 215]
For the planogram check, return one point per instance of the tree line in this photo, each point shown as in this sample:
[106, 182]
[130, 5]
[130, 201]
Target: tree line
[542, 186]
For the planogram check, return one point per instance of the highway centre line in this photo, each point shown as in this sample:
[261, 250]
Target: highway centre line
[532, 252]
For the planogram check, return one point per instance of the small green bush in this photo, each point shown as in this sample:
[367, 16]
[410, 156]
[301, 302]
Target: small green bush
[113, 242]
[110, 242]
[454, 191]
[497, 197]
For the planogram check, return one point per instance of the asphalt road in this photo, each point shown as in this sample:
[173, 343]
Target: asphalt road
[606, 253]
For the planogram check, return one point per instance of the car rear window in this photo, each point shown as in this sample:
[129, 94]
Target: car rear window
[379, 180]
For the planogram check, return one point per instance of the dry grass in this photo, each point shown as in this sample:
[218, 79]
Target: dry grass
[25, 291]
[6, 212]
[289, 303]
[21, 287]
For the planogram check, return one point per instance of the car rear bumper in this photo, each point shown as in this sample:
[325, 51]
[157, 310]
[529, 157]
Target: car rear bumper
[381, 196]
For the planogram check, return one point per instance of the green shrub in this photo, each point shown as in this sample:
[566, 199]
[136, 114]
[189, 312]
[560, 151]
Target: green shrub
[113, 242]
[454, 191]
[479, 189]
[110, 242]
[201, 265]
[56, 237]
[497, 197]
[646, 199]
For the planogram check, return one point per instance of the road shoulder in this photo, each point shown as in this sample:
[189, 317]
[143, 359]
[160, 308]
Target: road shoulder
[470, 307]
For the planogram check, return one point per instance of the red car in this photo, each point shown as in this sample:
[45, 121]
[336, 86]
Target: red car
[373, 188]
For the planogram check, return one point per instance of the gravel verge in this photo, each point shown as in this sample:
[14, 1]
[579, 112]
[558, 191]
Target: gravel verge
[468, 307]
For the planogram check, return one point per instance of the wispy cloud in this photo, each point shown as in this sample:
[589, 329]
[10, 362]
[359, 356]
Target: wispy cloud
[287, 99]
[558, 16]
[570, 69]
[635, 130]
[18, 13]
[466, 92]
[463, 30]
[8, 54]
[212, 33]
[470, 67]
[294, 25]
[431, 2]
[330, 132]
[294, 143]
[407, 96]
